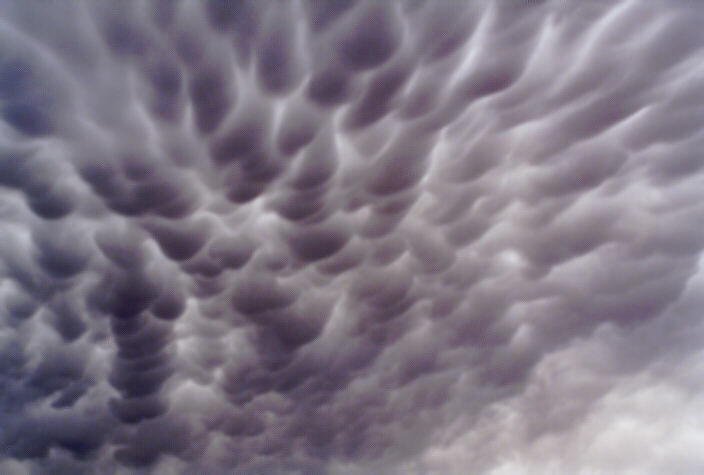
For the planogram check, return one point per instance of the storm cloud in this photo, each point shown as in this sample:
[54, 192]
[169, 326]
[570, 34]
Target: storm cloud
[351, 236]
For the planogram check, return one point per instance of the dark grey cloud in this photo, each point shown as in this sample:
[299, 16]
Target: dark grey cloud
[351, 237]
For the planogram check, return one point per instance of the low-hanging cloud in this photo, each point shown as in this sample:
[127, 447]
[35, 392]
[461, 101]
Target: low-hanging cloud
[351, 236]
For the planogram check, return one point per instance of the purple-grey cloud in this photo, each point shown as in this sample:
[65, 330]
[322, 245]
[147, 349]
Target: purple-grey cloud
[351, 236]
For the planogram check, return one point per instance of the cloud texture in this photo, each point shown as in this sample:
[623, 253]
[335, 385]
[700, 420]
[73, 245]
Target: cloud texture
[351, 236]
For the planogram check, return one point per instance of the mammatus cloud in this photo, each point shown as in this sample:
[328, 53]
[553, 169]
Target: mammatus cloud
[351, 237]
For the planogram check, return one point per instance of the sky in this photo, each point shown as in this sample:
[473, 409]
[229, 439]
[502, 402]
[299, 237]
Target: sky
[352, 237]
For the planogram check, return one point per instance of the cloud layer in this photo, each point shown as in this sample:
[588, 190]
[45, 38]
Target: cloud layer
[351, 236]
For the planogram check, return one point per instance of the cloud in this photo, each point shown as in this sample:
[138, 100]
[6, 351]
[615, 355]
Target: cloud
[351, 236]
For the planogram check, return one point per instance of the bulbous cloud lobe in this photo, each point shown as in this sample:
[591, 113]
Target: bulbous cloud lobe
[351, 236]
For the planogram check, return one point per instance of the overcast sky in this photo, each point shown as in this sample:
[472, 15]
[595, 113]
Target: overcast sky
[352, 237]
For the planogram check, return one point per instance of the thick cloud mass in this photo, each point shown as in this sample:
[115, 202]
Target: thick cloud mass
[351, 236]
